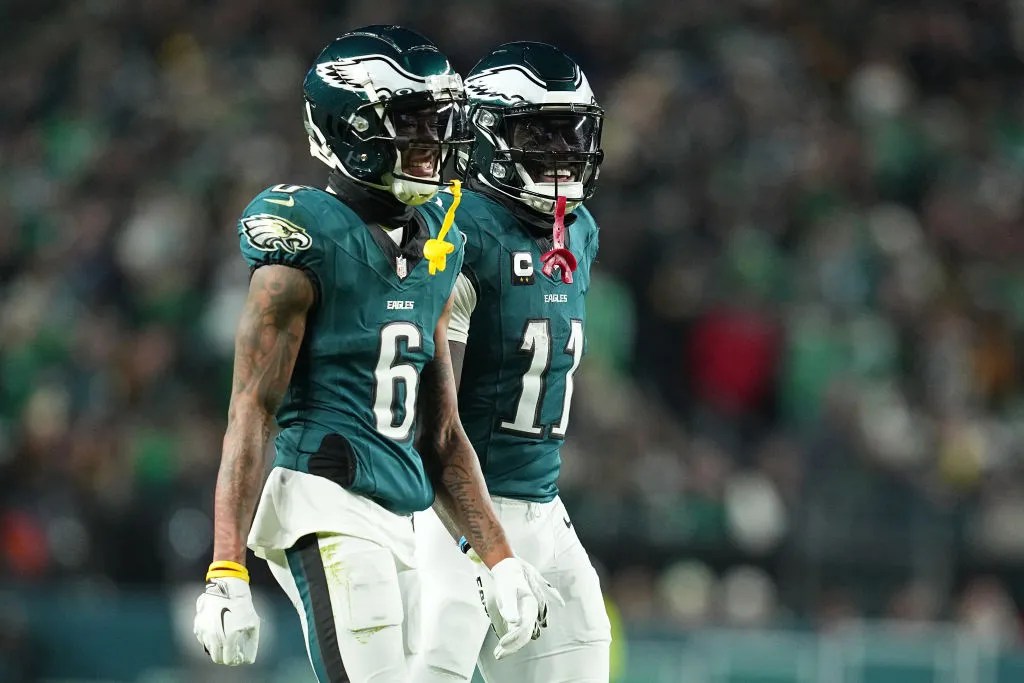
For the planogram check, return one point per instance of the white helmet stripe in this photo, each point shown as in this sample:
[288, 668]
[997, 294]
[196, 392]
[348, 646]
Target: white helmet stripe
[312, 125]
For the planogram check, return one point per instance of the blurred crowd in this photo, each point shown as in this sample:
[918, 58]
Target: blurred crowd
[803, 401]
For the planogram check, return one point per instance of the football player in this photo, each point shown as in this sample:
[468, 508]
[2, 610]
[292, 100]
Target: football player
[343, 335]
[516, 335]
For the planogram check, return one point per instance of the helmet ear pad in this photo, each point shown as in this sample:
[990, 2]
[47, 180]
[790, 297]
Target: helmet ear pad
[367, 161]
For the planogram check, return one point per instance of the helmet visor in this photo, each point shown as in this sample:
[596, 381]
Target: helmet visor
[554, 146]
[423, 121]
[553, 132]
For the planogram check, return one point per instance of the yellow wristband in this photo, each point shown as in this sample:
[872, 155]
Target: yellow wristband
[226, 574]
[227, 570]
[227, 564]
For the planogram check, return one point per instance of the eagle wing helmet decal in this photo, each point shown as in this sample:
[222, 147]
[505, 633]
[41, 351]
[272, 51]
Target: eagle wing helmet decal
[383, 74]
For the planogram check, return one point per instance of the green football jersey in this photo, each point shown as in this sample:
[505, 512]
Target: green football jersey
[526, 340]
[349, 413]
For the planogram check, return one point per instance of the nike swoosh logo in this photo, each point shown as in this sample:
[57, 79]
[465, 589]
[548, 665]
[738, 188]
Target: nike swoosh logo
[283, 202]
[223, 611]
[568, 524]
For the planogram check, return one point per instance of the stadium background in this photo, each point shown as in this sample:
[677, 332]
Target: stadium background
[797, 448]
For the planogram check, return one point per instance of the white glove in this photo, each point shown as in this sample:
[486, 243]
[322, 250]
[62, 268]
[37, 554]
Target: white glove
[516, 598]
[226, 624]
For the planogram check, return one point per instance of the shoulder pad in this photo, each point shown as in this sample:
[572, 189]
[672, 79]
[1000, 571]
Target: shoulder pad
[478, 210]
[285, 225]
[585, 221]
[585, 229]
[281, 218]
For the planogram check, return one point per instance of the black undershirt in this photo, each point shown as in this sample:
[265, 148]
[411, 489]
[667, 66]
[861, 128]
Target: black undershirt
[382, 211]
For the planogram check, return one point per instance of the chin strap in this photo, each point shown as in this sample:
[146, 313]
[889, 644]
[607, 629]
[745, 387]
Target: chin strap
[559, 257]
[436, 250]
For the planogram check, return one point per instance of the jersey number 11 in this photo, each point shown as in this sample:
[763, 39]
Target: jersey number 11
[537, 342]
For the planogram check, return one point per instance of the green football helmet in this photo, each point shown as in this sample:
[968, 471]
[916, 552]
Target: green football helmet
[536, 125]
[385, 108]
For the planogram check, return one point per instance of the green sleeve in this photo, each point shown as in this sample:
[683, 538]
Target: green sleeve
[592, 240]
[469, 252]
[458, 256]
[279, 227]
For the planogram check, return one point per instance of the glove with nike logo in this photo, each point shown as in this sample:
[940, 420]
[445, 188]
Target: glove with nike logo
[226, 623]
[516, 599]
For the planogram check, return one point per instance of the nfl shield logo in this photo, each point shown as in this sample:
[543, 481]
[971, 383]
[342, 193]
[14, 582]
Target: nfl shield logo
[401, 267]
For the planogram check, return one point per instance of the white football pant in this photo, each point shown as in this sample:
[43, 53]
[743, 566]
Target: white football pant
[456, 632]
[348, 567]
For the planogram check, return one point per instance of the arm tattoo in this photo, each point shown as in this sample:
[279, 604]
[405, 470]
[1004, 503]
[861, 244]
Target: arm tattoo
[462, 501]
[266, 345]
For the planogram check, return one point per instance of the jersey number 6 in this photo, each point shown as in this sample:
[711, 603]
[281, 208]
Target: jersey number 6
[391, 375]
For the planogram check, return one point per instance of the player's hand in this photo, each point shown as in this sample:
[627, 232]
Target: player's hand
[516, 598]
[226, 624]
[548, 595]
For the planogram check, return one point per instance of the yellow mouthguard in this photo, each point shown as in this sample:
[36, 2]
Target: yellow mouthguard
[436, 250]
